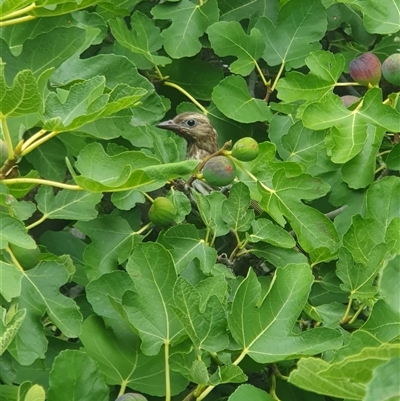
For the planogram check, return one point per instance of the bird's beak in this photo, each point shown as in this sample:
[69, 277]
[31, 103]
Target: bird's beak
[169, 125]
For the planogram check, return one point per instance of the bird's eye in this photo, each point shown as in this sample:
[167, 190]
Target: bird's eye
[191, 123]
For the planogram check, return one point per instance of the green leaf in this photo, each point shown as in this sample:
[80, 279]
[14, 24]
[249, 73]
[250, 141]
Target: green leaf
[120, 360]
[116, 69]
[236, 10]
[14, 232]
[229, 39]
[182, 39]
[357, 278]
[207, 328]
[22, 97]
[390, 274]
[49, 160]
[308, 148]
[383, 19]
[126, 170]
[40, 287]
[349, 128]
[346, 378]
[152, 270]
[10, 281]
[10, 323]
[112, 242]
[210, 211]
[185, 244]
[262, 324]
[86, 102]
[325, 70]
[385, 382]
[301, 25]
[76, 376]
[393, 159]
[278, 256]
[266, 231]
[249, 392]
[281, 198]
[44, 51]
[66, 204]
[144, 40]
[242, 107]
[235, 210]
[195, 76]
[359, 172]
[35, 393]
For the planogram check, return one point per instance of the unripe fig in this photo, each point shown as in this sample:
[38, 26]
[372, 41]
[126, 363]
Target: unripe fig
[245, 149]
[348, 100]
[219, 171]
[162, 212]
[3, 152]
[366, 69]
[391, 69]
[27, 258]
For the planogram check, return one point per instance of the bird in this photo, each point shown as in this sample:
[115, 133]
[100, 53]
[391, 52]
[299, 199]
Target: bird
[201, 137]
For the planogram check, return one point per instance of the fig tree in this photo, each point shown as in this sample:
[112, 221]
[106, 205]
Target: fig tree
[366, 69]
[245, 149]
[162, 212]
[391, 69]
[219, 171]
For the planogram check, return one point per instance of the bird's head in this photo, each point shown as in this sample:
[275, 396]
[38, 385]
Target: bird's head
[194, 127]
[198, 132]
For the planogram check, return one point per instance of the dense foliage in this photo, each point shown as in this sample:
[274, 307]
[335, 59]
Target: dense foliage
[294, 299]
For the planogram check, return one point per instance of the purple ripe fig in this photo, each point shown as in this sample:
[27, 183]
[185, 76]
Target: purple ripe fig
[366, 69]
[391, 69]
[348, 100]
[162, 212]
[219, 171]
[245, 149]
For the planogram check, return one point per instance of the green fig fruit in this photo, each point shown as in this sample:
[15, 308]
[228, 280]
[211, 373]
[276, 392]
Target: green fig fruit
[245, 149]
[391, 69]
[219, 171]
[162, 212]
[366, 69]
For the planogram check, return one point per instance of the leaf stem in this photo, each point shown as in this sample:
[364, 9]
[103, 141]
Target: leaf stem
[18, 12]
[148, 197]
[144, 228]
[37, 143]
[359, 310]
[187, 94]
[384, 153]
[167, 374]
[345, 317]
[347, 84]
[253, 177]
[14, 259]
[16, 21]
[272, 390]
[278, 76]
[160, 75]
[33, 138]
[260, 73]
[37, 222]
[7, 137]
[40, 181]
[123, 388]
